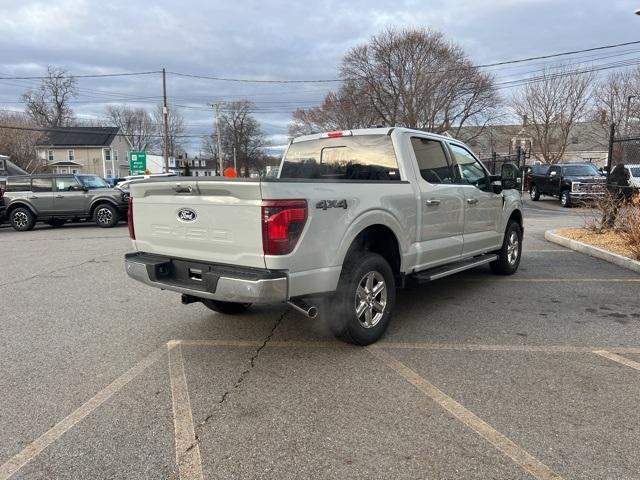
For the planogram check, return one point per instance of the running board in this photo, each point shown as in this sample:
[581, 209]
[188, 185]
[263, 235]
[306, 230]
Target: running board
[445, 271]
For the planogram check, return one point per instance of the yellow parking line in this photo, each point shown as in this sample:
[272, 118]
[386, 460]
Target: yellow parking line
[28, 453]
[520, 456]
[617, 358]
[187, 449]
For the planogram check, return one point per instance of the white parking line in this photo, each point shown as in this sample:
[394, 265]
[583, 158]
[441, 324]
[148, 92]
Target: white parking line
[28, 453]
[520, 456]
[617, 358]
[187, 449]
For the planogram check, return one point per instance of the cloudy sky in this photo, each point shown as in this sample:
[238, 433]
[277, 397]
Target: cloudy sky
[273, 39]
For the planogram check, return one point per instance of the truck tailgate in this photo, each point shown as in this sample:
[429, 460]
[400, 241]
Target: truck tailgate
[213, 220]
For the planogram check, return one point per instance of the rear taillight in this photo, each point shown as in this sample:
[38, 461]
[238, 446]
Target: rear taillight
[132, 230]
[282, 224]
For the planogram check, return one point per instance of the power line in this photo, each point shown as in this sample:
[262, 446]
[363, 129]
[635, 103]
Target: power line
[93, 75]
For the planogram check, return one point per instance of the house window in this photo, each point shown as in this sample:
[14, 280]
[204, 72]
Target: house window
[50, 155]
[108, 172]
[75, 170]
[107, 154]
[115, 155]
[196, 173]
[574, 140]
[71, 155]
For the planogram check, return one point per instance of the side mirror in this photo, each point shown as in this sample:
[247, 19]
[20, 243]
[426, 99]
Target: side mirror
[553, 173]
[509, 176]
[79, 188]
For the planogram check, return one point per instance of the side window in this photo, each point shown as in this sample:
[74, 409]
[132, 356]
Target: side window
[470, 169]
[554, 169]
[432, 161]
[18, 184]
[65, 184]
[41, 185]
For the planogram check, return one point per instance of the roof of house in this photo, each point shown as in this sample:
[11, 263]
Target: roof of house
[80, 137]
[584, 136]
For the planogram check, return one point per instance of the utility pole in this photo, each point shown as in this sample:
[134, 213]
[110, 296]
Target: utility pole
[216, 107]
[165, 119]
[235, 163]
[626, 127]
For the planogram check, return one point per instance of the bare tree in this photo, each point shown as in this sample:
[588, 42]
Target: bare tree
[340, 110]
[136, 124]
[176, 129]
[18, 140]
[613, 102]
[240, 132]
[416, 78]
[552, 105]
[49, 104]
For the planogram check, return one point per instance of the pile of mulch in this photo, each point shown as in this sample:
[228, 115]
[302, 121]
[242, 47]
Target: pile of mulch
[609, 240]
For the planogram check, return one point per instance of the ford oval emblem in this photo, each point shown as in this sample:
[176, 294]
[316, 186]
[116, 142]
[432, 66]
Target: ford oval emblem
[187, 215]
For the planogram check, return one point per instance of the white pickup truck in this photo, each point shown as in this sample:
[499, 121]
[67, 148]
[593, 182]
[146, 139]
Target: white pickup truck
[352, 216]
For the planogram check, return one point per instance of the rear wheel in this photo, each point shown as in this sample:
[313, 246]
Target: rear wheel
[565, 198]
[22, 219]
[510, 253]
[230, 308]
[106, 215]
[361, 309]
[534, 193]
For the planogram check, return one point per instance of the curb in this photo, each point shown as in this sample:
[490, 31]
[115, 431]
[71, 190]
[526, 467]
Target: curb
[624, 262]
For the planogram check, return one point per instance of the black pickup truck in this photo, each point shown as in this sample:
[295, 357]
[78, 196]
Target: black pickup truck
[568, 182]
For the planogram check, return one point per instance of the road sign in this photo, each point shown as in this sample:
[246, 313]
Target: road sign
[138, 163]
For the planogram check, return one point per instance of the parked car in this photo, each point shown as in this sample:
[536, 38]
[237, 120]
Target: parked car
[568, 182]
[352, 215]
[56, 199]
[3, 209]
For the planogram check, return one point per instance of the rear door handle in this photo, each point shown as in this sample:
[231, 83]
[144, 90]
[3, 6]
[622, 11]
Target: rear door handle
[32, 197]
[472, 201]
[432, 202]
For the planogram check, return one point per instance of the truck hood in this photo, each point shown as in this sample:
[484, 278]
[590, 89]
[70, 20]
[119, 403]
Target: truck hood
[597, 179]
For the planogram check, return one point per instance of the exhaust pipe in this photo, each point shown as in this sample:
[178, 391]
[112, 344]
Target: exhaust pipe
[308, 311]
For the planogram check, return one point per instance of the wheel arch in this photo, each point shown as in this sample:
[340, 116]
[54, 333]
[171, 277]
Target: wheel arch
[101, 201]
[17, 204]
[381, 239]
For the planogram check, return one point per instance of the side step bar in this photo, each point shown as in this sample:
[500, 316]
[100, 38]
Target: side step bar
[445, 271]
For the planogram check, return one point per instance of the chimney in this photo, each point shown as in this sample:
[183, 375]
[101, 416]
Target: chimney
[524, 121]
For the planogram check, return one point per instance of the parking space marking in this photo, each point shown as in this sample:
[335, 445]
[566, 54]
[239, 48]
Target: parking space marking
[28, 453]
[501, 348]
[618, 359]
[520, 456]
[405, 345]
[571, 280]
[187, 450]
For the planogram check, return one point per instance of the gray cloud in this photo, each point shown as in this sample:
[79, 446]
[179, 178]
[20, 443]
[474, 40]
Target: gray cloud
[266, 40]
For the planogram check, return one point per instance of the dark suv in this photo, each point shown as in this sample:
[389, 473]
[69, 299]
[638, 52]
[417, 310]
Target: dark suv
[56, 199]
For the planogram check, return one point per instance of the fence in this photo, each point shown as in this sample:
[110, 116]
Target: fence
[622, 162]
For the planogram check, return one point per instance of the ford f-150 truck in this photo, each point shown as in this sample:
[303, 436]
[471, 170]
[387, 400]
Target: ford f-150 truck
[569, 183]
[352, 215]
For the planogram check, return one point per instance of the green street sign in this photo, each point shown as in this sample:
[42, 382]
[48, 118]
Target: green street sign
[138, 162]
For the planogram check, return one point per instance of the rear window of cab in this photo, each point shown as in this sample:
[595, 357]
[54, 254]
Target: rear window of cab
[359, 157]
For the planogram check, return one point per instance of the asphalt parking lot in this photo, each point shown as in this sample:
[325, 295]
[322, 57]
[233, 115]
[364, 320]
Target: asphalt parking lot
[534, 375]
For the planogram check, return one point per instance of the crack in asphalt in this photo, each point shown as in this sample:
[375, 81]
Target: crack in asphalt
[242, 376]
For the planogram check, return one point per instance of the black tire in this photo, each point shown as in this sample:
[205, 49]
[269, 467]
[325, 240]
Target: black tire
[22, 219]
[229, 308]
[565, 198]
[106, 215]
[534, 193]
[506, 264]
[56, 222]
[362, 269]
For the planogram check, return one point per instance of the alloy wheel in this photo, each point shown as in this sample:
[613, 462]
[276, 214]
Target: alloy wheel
[513, 248]
[104, 216]
[20, 219]
[370, 299]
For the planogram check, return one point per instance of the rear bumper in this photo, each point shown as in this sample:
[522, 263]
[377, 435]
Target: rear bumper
[216, 282]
